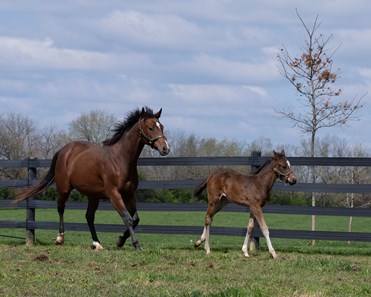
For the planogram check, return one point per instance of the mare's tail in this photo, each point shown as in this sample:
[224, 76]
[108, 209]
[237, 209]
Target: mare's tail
[198, 190]
[46, 182]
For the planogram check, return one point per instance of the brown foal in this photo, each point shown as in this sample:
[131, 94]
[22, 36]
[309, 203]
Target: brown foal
[250, 190]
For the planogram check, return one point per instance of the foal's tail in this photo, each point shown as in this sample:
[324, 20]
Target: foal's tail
[46, 182]
[198, 190]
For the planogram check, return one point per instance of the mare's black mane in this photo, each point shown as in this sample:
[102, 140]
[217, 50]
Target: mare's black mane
[131, 119]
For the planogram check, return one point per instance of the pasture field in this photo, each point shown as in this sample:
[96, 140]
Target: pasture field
[168, 265]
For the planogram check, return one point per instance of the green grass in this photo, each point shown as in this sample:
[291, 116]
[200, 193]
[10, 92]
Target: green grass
[168, 265]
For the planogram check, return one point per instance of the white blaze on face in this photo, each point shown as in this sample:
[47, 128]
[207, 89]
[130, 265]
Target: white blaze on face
[158, 125]
[288, 164]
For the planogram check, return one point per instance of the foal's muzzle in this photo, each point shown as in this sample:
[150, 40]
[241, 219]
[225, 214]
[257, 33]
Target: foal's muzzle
[288, 177]
[291, 180]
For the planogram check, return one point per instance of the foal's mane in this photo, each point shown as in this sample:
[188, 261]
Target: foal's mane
[121, 127]
[261, 167]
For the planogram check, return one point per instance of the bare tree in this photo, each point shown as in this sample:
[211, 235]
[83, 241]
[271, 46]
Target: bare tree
[18, 140]
[94, 126]
[313, 77]
[51, 141]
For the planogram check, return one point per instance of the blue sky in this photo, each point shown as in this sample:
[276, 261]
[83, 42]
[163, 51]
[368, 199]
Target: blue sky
[211, 65]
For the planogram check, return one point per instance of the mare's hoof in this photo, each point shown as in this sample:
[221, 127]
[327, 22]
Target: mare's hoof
[97, 246]
[137, 246]
[120, 241]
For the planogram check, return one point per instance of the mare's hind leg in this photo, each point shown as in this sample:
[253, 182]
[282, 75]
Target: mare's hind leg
[90, 217]
[61, 202]
[212, 209]
[131, 206]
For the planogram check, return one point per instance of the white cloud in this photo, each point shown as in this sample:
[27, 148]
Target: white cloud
[36, 53]
[156, 30]
[237, 71]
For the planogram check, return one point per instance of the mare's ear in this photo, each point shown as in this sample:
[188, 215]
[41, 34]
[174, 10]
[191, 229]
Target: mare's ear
[283, 152]
[158, 114]
[143, 112]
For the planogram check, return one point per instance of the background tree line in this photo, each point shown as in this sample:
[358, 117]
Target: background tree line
[20, 138]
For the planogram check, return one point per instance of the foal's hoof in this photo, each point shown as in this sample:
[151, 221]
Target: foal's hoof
[197, 243]
[59, 240]
[120, 241]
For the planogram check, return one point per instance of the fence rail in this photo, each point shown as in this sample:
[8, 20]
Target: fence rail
[254, 161]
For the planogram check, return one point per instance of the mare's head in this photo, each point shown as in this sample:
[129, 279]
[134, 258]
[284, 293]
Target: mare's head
[282, 168]
[152, 131]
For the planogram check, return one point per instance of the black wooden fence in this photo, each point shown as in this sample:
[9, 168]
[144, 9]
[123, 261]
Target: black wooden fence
[30, 224]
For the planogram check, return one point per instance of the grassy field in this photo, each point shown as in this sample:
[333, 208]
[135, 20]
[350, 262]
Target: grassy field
[168, 265]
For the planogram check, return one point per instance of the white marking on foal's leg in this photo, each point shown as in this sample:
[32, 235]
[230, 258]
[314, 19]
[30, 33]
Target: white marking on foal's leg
[96, 246]
[245, 245]
[269, 244]
[202, 238]
[207, 235]
[248, 239]
[60, 239]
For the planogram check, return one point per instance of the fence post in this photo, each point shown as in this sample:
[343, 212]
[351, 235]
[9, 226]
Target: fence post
[254, 245]
[30, 211]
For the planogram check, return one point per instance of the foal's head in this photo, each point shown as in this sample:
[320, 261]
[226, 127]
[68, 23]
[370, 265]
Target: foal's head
[152, 133]
[282, 168]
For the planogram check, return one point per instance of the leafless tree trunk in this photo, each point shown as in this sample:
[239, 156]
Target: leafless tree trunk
[312, 75]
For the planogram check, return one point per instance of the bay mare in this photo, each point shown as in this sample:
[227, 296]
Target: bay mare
[250, 190]
[105, 172]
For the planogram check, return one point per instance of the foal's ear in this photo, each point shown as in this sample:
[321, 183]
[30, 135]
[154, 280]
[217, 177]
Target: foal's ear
[158, 114]
[278, 155]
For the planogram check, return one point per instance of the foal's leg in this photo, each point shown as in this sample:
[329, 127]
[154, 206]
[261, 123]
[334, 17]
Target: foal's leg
[61, 202]
[120, 207]
[212, 209]
[90, 217]
[248, 237]
[264, 228]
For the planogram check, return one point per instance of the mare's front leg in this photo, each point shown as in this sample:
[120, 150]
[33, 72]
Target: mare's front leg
[264, 228]
[122, 239]
[129, 221]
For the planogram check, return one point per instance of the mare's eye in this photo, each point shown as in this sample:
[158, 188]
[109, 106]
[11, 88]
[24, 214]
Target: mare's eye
[150, 129]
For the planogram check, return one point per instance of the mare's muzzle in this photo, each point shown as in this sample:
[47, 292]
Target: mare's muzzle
[158, 143]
